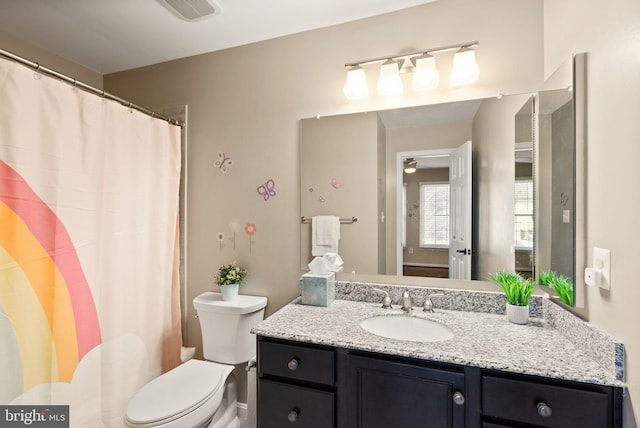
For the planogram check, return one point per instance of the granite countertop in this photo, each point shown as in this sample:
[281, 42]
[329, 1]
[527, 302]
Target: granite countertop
[484, 340]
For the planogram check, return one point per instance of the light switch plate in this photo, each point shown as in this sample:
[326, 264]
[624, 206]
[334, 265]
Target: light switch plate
[602, 262]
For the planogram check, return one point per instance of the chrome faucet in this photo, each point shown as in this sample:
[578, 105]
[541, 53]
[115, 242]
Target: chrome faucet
[407, 303]
[386, 302]
[428, 304]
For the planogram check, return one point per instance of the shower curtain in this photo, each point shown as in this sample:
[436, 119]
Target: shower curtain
[89, 295]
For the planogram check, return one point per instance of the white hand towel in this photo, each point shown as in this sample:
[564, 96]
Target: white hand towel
[325, 234]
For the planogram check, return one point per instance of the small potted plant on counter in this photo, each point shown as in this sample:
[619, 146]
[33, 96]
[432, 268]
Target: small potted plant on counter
[560, 284]
[517, 291]
[229, 278]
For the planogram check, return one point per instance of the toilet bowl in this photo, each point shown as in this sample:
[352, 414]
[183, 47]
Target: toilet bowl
[187, 396]
[199, 393]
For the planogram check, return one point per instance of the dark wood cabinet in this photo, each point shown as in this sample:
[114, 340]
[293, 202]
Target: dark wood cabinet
[313, 386]
[296, 385]
[384, 394]
[524, 401]
[283, 405]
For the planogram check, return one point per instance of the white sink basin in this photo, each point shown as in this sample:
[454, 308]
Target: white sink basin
[407, 328]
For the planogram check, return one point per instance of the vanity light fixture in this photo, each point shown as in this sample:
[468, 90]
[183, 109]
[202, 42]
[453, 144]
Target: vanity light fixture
[422, 63]
[410, 165]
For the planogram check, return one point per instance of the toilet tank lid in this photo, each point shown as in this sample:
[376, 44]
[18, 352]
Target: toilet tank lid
[212, 302]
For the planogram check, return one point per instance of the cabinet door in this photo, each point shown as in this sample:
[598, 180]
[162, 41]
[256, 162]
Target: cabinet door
[392, 394]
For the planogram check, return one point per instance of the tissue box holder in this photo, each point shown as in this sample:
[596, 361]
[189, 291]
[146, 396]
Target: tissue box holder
[318, 289]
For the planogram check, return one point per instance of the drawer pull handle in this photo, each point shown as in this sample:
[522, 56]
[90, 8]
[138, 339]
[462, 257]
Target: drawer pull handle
[293, 415]
[544, 410]
[458, 398]
[293, 364]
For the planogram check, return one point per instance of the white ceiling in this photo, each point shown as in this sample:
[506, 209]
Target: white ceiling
[114, 35]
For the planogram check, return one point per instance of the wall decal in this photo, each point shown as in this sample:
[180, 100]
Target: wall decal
[235, 228]
[310, 189]
[564, 199]
[321, 199]
[223, 162]
[250, 230]
[220, 237]
[267, 189]
[336, 184]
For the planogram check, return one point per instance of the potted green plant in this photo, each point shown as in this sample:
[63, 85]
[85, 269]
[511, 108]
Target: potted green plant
[517, 290]
[229, 278]
[562, 285]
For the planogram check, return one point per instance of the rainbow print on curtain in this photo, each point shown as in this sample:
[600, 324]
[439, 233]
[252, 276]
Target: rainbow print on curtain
[45, 294]
[89, 298]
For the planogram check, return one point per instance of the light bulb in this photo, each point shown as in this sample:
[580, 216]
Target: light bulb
[355, 88]
[465, 71]
[426, 76]
[389, 82]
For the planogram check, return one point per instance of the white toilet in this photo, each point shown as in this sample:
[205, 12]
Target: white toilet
[203, 393]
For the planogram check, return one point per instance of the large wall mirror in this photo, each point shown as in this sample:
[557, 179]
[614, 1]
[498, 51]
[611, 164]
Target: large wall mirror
[353, 165]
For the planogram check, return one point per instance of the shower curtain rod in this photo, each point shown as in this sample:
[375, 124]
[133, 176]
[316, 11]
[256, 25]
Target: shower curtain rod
[100, 92]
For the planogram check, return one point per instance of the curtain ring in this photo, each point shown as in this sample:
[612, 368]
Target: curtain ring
[36, 73]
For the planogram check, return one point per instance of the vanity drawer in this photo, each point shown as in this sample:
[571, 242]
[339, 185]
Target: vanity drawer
[297, 362]
[522, 401]
[282, 405]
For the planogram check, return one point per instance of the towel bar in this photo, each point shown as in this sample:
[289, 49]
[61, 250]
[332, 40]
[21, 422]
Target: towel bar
[342, 220]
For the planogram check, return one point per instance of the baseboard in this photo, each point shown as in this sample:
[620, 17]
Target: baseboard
[243, 410]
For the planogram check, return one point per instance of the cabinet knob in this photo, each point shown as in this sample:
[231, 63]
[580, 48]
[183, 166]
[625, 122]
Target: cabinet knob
[293, 415]
[458, 398]
[544, 410]
[293, 364]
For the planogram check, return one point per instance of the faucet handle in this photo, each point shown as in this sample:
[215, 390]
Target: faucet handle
[407, 302]
[428, 304]
[386, 302]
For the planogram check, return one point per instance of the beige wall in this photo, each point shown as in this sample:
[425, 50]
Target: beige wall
[49, 60]
[610, 34]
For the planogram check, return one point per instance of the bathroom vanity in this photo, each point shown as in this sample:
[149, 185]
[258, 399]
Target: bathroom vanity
[318, 368]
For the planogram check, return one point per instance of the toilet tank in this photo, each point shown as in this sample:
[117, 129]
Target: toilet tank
[226, 326]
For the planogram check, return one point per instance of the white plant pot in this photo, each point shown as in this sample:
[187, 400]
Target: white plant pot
[518, 314]
[229, 292]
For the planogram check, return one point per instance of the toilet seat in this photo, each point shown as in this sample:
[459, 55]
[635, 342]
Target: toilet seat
[186, 396]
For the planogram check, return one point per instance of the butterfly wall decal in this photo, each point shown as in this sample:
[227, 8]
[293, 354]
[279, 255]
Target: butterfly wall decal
[267, 189]
[223, 162]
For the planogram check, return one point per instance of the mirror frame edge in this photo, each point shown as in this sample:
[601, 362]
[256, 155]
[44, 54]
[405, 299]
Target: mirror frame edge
[580, 214]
